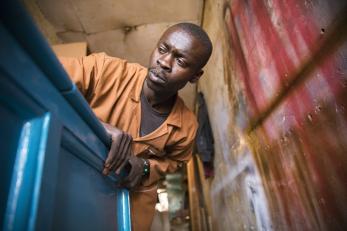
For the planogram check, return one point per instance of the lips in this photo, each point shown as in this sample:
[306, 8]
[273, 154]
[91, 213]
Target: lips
[156, 76]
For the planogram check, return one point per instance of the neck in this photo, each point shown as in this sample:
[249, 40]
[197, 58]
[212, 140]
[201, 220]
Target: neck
[161, 102]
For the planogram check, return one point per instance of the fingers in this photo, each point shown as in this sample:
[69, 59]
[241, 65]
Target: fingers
[117, 171]
[111, 155]
[110, 159]
[119, 152]
[135, 175]
[132, 180]
[125, 154]
[128, 179]
[121, 149]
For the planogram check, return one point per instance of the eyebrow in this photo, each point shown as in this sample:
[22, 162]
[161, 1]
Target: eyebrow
[177, 52]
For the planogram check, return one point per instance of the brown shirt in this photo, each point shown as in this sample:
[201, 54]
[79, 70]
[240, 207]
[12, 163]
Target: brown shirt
[112, 88]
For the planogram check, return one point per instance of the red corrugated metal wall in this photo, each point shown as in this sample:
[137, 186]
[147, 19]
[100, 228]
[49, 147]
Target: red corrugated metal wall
[291, 60]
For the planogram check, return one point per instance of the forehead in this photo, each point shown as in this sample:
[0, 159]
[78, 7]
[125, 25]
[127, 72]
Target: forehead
[183, 42]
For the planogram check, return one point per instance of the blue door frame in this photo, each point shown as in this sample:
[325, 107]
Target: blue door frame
[52, 145]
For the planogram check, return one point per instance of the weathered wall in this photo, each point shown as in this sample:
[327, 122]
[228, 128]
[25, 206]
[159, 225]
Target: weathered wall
[121, 28]
[276, 93]
[236, 178]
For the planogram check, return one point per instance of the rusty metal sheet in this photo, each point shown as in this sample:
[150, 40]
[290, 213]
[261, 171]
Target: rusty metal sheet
[291, 60]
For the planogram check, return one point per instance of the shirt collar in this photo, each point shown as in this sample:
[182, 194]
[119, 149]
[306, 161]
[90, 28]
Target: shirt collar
[175, 116]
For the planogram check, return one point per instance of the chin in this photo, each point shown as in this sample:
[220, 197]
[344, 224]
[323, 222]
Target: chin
[154, 87]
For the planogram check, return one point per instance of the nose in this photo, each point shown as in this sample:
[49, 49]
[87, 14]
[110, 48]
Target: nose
[164, 62]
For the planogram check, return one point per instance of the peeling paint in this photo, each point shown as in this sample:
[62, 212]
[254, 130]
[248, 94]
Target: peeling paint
[285, 63]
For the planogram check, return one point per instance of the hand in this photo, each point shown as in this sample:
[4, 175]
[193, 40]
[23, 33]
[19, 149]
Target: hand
[120, 151]
[135, 168]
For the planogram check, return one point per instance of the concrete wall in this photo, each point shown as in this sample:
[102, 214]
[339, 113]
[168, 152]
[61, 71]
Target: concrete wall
[276, 93]
[47, 29]
[236, 177]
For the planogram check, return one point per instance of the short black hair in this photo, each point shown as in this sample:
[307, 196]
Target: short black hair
[198, 33]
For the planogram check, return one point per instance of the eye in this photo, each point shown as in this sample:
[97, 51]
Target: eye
[162, 49]
[181, 62]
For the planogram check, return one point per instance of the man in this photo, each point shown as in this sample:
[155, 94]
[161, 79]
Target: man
[152, 130]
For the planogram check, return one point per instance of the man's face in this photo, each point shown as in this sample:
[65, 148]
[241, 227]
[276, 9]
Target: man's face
[174, 62]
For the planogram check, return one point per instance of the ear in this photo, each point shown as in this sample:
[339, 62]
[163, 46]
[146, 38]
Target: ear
[196, 76]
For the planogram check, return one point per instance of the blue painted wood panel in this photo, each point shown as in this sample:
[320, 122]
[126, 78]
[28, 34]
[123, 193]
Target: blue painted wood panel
[52, 146]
